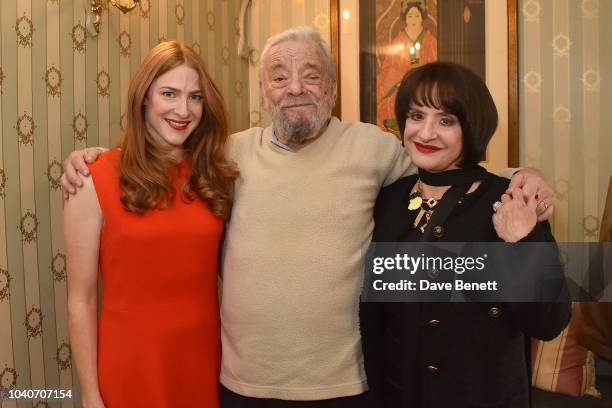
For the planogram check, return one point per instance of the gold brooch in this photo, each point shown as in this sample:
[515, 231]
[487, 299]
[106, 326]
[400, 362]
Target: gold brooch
[415, 201]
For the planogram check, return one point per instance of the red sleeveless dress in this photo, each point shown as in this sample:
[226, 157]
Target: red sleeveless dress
[158, 339]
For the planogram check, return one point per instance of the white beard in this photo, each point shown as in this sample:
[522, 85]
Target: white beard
[299, 131]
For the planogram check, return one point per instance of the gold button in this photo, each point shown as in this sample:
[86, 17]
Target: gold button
[434, 273]
[495, 312]
[438, 231]
[433, 323]
[432, 369]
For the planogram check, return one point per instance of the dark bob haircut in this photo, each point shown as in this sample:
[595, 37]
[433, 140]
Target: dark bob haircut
[454, 89]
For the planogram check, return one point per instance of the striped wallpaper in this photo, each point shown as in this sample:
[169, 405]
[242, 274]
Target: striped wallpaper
[61, 90]
[565, 60]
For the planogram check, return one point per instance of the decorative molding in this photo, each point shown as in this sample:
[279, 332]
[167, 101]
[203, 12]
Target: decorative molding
[124, 8]
[93, 10]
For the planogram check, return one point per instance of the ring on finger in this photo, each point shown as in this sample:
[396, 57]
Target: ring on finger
[496, 205]
[544, 203]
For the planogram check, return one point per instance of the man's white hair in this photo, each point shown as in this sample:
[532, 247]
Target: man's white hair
[306, 34]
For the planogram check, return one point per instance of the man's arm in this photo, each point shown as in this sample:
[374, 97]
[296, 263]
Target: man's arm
[75, 168]
[533, 182]
[400, 164]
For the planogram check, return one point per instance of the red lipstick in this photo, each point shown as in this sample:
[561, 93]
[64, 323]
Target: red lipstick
[427, 149]
[178, 124]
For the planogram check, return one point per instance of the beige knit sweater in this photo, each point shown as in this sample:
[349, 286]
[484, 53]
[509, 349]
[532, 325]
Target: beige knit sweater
[291, 267]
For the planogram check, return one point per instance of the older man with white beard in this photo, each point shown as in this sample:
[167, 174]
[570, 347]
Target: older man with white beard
[301, 217]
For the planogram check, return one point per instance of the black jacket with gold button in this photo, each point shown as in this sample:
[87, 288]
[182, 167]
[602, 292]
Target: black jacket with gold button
[440, 355]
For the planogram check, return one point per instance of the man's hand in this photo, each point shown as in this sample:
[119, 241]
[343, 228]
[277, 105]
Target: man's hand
[533, 183]
[516, 216]
[75, 167]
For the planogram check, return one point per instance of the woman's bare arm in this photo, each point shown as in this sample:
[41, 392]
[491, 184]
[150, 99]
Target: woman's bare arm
[82, 225]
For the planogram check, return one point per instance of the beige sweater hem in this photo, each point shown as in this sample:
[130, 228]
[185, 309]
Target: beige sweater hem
[295, 394]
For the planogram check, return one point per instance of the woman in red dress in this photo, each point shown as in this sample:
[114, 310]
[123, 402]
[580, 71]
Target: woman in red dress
[150, 218]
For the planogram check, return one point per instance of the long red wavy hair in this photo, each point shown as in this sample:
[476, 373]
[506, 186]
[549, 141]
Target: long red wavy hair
[145, 166]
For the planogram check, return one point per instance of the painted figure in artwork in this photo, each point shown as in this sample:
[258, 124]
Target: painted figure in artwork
[413, 46]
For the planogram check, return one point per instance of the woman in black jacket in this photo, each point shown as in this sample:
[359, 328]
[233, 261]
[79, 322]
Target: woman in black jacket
[448, 354]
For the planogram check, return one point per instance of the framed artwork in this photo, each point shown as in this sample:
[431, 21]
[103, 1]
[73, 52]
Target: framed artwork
[397, 35]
